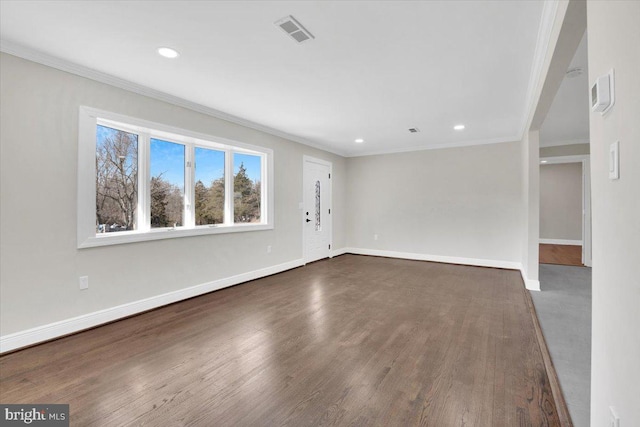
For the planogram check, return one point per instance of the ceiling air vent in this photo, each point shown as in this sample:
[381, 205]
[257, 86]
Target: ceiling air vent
[295, 29]
[414, 130]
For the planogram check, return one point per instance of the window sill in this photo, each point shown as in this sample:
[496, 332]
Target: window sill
[123, 237]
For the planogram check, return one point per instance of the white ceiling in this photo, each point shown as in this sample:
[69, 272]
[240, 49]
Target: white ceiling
[567, 121]
[375, 68]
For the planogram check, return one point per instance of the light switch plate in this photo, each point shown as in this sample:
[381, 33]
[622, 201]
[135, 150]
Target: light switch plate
[614, 160]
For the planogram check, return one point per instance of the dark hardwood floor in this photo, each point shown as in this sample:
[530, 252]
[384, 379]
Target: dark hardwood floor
[352, 340]
[561, 254]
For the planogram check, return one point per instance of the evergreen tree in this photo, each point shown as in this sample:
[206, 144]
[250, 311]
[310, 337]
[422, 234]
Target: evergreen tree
[215, 202]
[200, 202]
[159, 200]
[245, 207]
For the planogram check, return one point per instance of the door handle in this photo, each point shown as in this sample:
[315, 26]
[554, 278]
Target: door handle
[308, 220]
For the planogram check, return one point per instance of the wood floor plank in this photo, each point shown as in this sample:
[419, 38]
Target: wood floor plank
[561, 254]
[348, 341]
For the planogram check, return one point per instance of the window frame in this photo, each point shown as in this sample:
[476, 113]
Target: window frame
[90, 118]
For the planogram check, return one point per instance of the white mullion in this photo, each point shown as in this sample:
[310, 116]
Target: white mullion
[228, 187]
[189, 216]
[144, 183]
[263, 186]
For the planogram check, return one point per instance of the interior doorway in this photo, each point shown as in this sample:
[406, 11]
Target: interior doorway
[565, 210]
[316, 215]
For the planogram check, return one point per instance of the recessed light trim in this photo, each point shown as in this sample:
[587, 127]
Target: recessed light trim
[458, 127]
[167, 52]
[543, 161]
[359, 141]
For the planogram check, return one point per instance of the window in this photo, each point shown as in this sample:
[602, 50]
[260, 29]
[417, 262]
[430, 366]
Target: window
[167, 183]
[137, 180]
[318, 225]
[116, 179]
[209, 191]
[246, 188]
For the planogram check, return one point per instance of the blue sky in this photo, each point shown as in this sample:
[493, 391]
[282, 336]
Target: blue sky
[209, 165]
[167, 158]
[251, 163]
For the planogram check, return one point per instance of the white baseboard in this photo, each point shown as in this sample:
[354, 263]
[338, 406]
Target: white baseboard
[561, 242]
[68, 326]
[338, 252]
[530, 284]
[478, 262]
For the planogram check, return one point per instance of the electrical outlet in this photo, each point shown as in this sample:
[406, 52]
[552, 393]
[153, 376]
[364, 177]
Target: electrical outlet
[614, 419]
[269, 249]
[375, 237]
[84, 282]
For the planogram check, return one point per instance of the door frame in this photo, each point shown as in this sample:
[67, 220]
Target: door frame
[586, 198]
[305, 160]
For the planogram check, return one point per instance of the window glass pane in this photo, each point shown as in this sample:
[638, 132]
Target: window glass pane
[247, 187]
[318, 225]
[209, 187]
[116, 180]
[167, 183]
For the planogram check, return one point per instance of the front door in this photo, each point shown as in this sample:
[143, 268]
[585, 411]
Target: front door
[316, 214]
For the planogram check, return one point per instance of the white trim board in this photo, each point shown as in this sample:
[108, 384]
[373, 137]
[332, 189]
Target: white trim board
[76, 324]
[578, 158]
[338, 252]
[547, 144]
[561, 242]
[538, 72]
[61, 328]
[43, 58]
[585, 160]
[532, 285]
[39, 57]
[477, 262]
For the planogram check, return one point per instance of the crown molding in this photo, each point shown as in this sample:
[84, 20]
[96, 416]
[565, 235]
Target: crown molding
[578, 158]
[545, 144]
[437, 146]
[43, 58]
[549, 11]
[40, 57]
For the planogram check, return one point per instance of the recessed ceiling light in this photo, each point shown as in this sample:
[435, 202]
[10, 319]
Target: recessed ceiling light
[167, 52]
[458, 127]
[543, 161]
[359, 141]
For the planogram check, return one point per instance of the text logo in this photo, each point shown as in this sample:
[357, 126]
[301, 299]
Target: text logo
[38, 415]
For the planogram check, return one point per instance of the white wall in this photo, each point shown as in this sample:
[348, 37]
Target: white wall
[614, 35]
[530, 229]
[561, 201]
[456, 202]
[40, 263]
